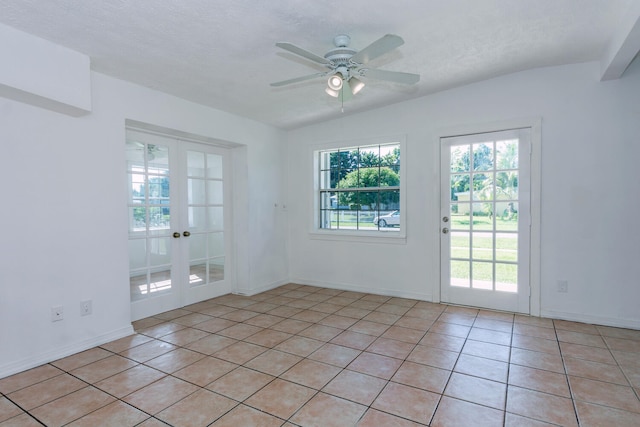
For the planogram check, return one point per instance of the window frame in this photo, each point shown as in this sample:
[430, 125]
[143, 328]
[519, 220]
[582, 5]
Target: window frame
[375, 235]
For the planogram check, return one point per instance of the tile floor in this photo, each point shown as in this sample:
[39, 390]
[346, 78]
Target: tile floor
[307, 356]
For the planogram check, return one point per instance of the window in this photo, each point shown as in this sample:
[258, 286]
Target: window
[358, 189]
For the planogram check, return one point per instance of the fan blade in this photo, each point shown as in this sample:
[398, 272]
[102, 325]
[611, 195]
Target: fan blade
[345, 92]
[297, 79]
[303, 52]
[377, 48]
[391, 76]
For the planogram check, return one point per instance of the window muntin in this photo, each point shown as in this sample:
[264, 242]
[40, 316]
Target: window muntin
[359, 188]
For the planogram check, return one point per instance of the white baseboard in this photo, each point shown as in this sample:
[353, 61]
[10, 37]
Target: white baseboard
[59, 353]
[365, 289]
[263, 288]
[595, 320]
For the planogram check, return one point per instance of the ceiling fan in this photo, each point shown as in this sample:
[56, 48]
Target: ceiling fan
[345, 65]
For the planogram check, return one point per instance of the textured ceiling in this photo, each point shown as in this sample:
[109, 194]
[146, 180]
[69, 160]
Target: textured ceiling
[222, 53]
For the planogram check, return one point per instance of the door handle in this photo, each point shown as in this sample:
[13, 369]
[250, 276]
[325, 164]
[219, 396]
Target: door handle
[176, 235]
[445, 230]
[186, 234]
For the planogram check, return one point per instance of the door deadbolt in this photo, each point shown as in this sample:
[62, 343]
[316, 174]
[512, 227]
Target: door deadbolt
[445, 219]
[445, 230]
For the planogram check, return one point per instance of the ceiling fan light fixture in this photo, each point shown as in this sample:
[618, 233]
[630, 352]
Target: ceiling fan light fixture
[332, 92]
[335, 82]
[356, 85]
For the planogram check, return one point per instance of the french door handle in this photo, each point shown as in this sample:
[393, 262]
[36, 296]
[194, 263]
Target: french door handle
[186, 234]
[176, 235]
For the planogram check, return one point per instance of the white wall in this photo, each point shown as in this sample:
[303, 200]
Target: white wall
[589, 157]
[64, 217]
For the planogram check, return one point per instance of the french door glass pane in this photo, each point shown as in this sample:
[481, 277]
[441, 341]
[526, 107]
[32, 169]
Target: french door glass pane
[460, 273]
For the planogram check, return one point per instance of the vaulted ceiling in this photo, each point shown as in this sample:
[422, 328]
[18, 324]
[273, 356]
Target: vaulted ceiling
[222, 53]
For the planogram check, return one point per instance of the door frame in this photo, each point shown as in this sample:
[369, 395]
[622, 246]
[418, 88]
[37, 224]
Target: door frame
[535, 124]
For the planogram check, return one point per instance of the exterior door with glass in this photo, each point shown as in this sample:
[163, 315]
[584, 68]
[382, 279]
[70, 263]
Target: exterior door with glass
[176, 206]
[485, 220]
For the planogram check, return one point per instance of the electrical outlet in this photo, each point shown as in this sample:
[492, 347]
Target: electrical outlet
[86, 307]
[563, 286]
[57, 313]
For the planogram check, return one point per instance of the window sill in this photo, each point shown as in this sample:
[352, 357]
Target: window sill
[388, 237]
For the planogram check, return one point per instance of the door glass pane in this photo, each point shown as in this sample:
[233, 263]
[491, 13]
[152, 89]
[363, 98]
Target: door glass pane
[482, 246]
[159, 220]
[159, 251]
[137, 254]
[216, 218]
[460, 245]
[198, 274]
[158, 159]
[460, 273]
[460, 187]
[507, 154]
[460, 158]
[482, 275]
[214, 193]
[507, 247]
[483, 156]
[197, 246]
[195, 164]
[216, 269]
[160, 282]
[214, 166]
[197, 218]
[134, 154]
[507, 277]
[139, 286]
[216, 244]
[196, 191]
[460, 216]
[137, 220]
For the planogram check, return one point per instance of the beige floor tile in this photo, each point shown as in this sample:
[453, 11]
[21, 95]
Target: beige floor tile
[162, 329]
[629, 334]
[205, 371]
[129, 381]
[391, 348]
[125, 343]
[326, 307]
[591, 415]
[584, 328]
[281, 398]
[594, 354]
[311, 373]
[192, 319]
[215, 324]
[457, 318]
[541, 345]
[239, 315]
[408, 335]
[324, 410]
[198, 409]
[431, 356]
[210, 344]
[381, 317]
[104, 368]
[621, 344]
[243, 415]
[268, 338]
[580, 338]
[118, 414]
[539, 380]
[173, 314]
[487, 335]
[27, 378]
[374, 364]
[45, 391]
[452, 329]
[535, 359]
[595, 371]
[264, 320]
[407, 402]
[160, 395]
[541, 406]
[534, 321]
[23, 420]
[291, 326]
[309, 316]
[493, 325]
[477, 390]
[148, 351]
[482, 367]
[355, 387]
[606, 394]
[300, 346]
[339, 321]
[353, 312]
[239, 331]
[80, 359]
[487, 350]
[240, 352]
[453, 412]
[534, 331]
[353, 340]
[375, 418]
[422, 376]
[72, 406]
[273, 362]
[513, 420]
[174, 360]
[445, 342]
[335, 355]
[240, 383]
[417, 323]
[320, 332]
[8, 409]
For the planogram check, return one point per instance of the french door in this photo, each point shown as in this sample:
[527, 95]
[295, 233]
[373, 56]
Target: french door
[178, 200]
[485, 220]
